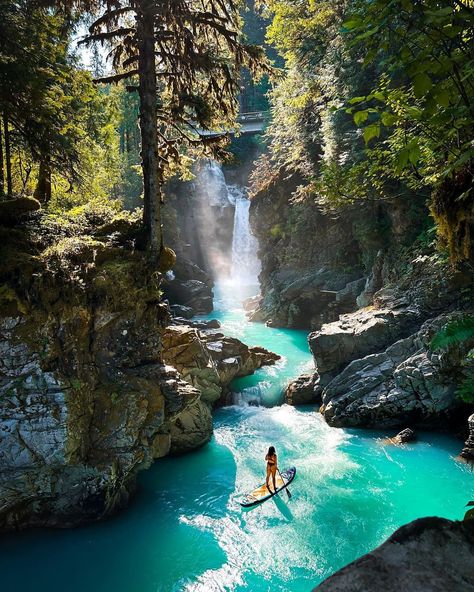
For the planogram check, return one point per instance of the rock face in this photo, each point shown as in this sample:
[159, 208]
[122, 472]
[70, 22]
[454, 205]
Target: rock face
[315, 265]
[210, 361]
[427, 555]
[303, 391]
[406, 383]
[468, 451]
[189, 287]
[406, 435]
[94, 383]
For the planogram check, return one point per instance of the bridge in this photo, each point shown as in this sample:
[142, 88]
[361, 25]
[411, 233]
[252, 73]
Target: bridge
[249, 123]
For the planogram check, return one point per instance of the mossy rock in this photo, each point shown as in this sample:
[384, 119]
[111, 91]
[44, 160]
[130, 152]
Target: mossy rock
[10, 303]
[12, 211]
[123, 229]
[167, 260]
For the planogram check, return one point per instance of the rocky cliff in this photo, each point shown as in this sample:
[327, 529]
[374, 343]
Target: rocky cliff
[375, 292]
[318, 264]
[94, 382]
[427, 555]
[375, 367]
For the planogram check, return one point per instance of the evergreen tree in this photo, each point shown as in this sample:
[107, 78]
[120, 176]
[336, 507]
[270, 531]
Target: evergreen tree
[187, 56]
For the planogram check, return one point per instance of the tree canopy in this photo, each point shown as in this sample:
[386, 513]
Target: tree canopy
[377, 102]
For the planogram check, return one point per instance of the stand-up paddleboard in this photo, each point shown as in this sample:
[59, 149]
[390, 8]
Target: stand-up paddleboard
[261, 494]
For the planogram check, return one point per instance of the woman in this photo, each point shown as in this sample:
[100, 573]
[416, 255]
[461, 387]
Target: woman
[272, 467]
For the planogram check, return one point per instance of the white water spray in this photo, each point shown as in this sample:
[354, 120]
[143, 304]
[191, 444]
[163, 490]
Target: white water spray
[245, 263]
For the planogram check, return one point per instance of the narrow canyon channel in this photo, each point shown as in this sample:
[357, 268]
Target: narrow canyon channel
[185, 530]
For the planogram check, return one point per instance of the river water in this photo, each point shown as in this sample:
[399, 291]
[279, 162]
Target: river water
[185, 530]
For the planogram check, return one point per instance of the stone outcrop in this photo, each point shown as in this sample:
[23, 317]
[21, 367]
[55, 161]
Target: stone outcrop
[317, 264]
[303, 390]
[190, 287]
[210, 361]
[192, 428]
[406, 435]
[427, 555]
[405, 383]
[467, 453]
[94, 382]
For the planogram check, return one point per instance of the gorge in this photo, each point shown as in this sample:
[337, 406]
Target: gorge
[345, 477]
[227, 225]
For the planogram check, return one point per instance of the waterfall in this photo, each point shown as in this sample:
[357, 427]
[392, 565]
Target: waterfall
[245, 263]
[213, 185]
[218, 229]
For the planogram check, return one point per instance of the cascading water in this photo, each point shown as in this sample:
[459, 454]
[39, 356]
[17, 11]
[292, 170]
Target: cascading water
[245, 263]
[227, 256]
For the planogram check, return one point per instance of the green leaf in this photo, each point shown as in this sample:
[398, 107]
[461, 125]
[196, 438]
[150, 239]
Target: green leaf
[421, 84]
[367, 34]
[442, 97]
[388, 119]
[371, 131]
[456, 331]
[356, 100]
[351, 24]
[402, 158]
[414, 154]
[360, 117]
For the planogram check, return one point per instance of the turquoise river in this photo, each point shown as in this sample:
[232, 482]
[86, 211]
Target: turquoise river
[185, 530]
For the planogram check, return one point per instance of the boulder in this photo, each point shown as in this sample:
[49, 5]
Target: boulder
[192, 428]
[210, 361]
[467, 453]
[406, 383]
[178, 310]
[189, 286]
[302, 391]
[201, 325]
[13, 211]
[359, 334]
[184, 349]
[426, 555]
[406, 435]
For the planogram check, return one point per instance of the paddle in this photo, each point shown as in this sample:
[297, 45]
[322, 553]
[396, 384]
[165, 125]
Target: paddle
[288, 493]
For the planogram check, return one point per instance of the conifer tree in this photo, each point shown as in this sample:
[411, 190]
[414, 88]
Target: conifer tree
[187, 56]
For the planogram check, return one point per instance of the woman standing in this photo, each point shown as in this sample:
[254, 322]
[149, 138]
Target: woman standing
[272, 467]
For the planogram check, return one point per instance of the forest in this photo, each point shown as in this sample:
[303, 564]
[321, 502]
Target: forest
[237, 236]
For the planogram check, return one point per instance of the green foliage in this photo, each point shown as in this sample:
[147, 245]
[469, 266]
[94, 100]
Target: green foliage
[455, 332]
[422, 106]
[377, 103]
[469, 515]
[459, 331]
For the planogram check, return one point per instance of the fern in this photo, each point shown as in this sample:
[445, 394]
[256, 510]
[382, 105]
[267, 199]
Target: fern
[457, 331]
[466, 389]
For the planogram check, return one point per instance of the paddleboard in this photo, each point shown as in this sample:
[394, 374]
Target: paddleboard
[261, 494]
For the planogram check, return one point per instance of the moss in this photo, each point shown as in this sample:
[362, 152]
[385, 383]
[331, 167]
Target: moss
[167, 259]
[452, 208]
[10, 303]
[12, 211]
[75, 249]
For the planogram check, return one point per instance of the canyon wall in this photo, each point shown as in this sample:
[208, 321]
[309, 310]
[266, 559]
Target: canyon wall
[95, 381]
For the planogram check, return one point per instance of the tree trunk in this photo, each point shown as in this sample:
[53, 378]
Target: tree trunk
[8, 160]
[2, 178]
[43, 187]
[148, 123]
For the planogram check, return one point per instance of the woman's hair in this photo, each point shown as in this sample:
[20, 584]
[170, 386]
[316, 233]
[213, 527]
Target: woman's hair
[271, 450]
